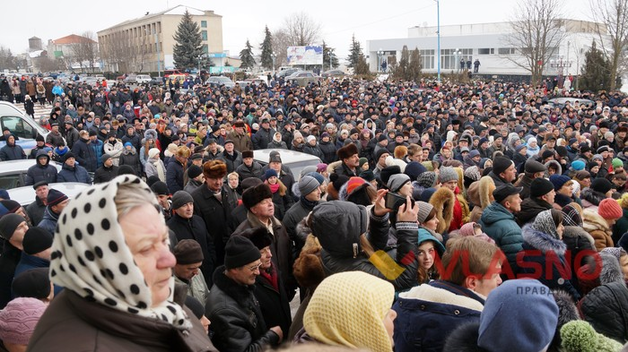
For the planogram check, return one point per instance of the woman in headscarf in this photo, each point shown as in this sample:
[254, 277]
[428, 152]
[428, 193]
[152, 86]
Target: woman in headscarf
[351, 309]
[111, 255]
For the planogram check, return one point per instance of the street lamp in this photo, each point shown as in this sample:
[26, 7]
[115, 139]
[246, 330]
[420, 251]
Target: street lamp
[380, 53]
[560, 65]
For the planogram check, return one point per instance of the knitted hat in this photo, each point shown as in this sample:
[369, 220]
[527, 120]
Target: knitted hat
[181, 198]
[381, 152]
[252, 196]
[240, 251]
[160, 188]
[367, 175]
[558, 181]
[601, 185]
[215, 169]
[609, 209]
[427, 179]
[447, 174]
[388, 171]
[474, 153]
[353, 184]
[532, 166]
[348, 309]
[19, 318]
[338, 226]
[126, 170]
[36, 240]
[320, 178]
[153, 152]
[320, 167]
[106, 157]
[362, 161]
[274, 156]
[250, 182]
[424, 210]
[500, 164]
[188, 251]
[395, 182]
[128, 144]
[11, 205]
[259, 236]
[580, 336]
[55, 197]
[307, 185]
[8, 224]
[194, 171]
[414, 169]
[425, 235]
[472, 173]
[616, 163]
[582, 174]
[527, 309]
[269, 173]
[578, 165]
[540, 187]
[33, 283]
[347, 151]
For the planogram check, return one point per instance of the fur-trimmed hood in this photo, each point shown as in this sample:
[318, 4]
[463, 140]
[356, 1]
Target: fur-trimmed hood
[150, 134]
[577, 238]
[592, 221]
[308, 267]
[464, 339]
[567, 310]
[542, 241]
[439, 295]
[611, 271]
[443, 201]
[557, 164]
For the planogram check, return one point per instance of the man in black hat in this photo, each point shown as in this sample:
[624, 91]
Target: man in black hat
[36, 250]
[70, 133]
[40, 145]
[504, 171]
[36, 209]
[13, 227]
[532, 170]
[55, 138]
[56, 202]
[264, 135]
[231, 157]
[586, 154]
[249, 167]
[541, 198]
[498, 222]
[237, 321]
[107, 172]
[188, 269]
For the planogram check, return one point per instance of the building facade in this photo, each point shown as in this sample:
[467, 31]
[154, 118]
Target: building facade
[146, 44]
[485, 42]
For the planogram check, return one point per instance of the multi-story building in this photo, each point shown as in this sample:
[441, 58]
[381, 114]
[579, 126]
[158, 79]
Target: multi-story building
[486, 42]
[146, 44]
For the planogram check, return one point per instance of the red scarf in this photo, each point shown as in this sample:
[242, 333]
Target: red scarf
[456, 221]
[270, 275]
[274, 188]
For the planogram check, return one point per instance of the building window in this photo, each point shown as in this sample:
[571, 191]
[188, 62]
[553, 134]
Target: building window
[505, 51]
[204, 35]
[486, 51]
[427, 58]
[203, 24]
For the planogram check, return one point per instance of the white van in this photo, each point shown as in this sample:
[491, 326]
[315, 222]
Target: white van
[21, 125]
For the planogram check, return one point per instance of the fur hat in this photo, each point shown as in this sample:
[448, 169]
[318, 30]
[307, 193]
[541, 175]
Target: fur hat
[347, 151]
[252, 196]
[260, 236]
[443, 201]
[247, 154]
[215, 169]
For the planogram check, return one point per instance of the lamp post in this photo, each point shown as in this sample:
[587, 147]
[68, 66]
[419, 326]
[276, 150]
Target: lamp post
[560, 64]
[438, 36]
[380, 53]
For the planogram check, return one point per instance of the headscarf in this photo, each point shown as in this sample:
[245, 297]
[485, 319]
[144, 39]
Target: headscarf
[348, 309]
[544, 223]
[90, 256]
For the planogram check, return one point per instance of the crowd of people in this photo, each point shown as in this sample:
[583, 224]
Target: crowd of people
[441, 217]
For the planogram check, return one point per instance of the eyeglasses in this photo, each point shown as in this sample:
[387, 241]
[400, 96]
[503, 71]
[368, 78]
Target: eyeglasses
[255, 267]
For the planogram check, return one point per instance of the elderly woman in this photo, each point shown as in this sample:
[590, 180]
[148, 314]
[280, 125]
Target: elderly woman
[111, 255]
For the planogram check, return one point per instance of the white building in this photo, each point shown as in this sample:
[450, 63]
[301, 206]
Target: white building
[485, 42]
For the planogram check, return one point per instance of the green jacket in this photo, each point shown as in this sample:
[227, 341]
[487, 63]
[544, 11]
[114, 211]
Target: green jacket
[500, 225]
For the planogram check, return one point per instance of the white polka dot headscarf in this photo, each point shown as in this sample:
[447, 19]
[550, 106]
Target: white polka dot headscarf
[90, 256]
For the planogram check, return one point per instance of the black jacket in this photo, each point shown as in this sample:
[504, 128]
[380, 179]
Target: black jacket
[105, 174]
[254, 171]
[132, 159]
[274, 304]
[329, 152]
[174, 175]
[194, 229]
[606, 308]
[40, 172]
[85, 155]
[232, 161]
[530, 208]
[9, 258]
[237, 321]
[262, 137]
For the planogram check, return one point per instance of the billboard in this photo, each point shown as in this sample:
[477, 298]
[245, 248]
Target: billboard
[305, 55]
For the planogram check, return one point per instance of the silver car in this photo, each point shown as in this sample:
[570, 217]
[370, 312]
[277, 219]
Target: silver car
[26, 195]
[13, 173]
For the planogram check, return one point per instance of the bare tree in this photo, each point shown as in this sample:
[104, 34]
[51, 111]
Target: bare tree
[85, 50]
[536, 31]
[280, 46]
[614, 14]
[301, 29]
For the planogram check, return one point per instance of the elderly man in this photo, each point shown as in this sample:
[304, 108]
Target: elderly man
[249, 167]
[186, 225]
[36, 209]
[237, 321]
[259, 202]
[350, 161]
[239, 137]
[189, 255]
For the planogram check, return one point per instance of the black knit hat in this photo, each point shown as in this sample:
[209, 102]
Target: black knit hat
[188, 251]
[181, 198]
[160, 188]
[252, 196]
[8, 224]
[33, 283]
[36, 240]
[259, 236]
[540, 187]
[601, 185]
[194, 171]
[240, 251]
[55, 197]
[500, 164]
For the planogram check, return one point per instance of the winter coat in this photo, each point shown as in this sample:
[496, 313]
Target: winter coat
[262, 137]
[591, 199]
[174, 175]
[12, 152]
[232, 161]
[49, 221]
[40, 172]
[597, 227]
[74, 174]
[85, 155]
[500, 225]
[281, 248]
[525, 182]
[277, 145]
[194, 229]
[606, 309]
[71, 136]
[530, 208]
[97, 146]
[313, 150]
[428, 313]
[620, 227]
[132, 159]
[542, 252]
[9, 258]
[274, 303]
[35, 211]
[329, 152]
[152, 168]
[217, 215]
[55, 139]
[580, 251]
[114, 150]
[109, 330]
[293, 216]
[254, 171]
[105, 174]
[241, 142]
[237, 321]
[197, 287]
[192, 185]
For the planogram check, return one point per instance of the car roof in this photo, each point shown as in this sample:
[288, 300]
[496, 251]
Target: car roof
[26, 195]
[296, 161]
[11, 166]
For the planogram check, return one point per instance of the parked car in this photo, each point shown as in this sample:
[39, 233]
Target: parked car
[333, 73]
[143, 79]
[219, 81]
[156, 81]
[286, 72]
[13, 172]
[20, 125]
[26, 195]
[132, 78]
[167, 73]
[294, 160]
[561, 102]
[303, 78]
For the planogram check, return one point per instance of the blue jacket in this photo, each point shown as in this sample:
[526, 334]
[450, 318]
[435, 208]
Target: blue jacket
[28, 262]
[97, 146]
[500, 225]
[428, 313]
[85, 155]
[174, 176]
[40, 172]
[74, 174]
[49, 222]
[12, 152]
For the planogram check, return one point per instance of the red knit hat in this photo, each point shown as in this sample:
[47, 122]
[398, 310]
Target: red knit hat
[610, 209]
[353, 183]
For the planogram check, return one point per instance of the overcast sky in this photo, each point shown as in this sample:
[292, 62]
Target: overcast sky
[368, 19]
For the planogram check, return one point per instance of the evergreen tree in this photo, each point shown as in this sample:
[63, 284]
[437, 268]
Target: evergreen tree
[328, 52]
[596, 72]
[188, 48]
[401, 69]
[246, 55]
[267, 50]
[415, 66]
[354, 52]
[362, 67]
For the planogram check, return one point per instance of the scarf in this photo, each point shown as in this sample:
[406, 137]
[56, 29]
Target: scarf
[270, 275]
[161, 172]
[274, 188]
[90, 256]
[308, 203]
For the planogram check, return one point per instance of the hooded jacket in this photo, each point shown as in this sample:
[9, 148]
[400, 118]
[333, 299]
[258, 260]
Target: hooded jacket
[500, 225]
[132, 159]
[530, 208]
[606, 309]
[74, 174]
[12, 152]
[40, 172]
[597, 227]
